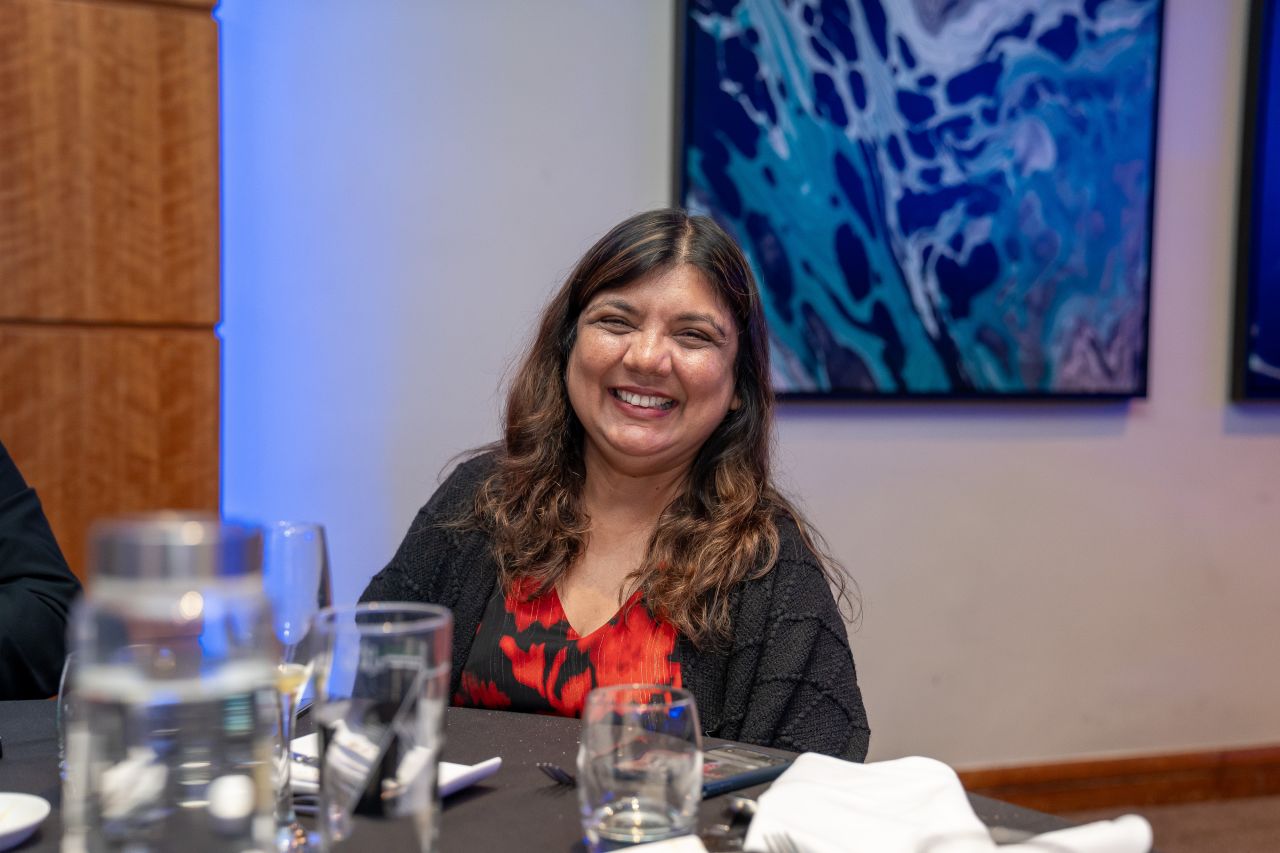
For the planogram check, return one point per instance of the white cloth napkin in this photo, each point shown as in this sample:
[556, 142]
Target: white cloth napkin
[452, 777]
[133, 783]
[908, 805]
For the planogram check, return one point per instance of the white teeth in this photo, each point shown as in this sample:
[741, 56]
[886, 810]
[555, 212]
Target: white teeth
[643, 401]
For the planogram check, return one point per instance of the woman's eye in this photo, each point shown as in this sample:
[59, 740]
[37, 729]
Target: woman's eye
[695, 336]
[614, 322]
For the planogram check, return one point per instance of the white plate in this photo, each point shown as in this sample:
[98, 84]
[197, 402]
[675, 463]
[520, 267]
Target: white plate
[453, 777]
[20, 814]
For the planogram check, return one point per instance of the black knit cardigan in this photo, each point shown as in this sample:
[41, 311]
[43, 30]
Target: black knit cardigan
[785, 680]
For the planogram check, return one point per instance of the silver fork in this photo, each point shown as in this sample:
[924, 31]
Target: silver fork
[557, 773]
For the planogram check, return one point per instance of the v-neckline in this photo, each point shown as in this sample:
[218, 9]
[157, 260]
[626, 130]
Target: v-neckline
[574, 633]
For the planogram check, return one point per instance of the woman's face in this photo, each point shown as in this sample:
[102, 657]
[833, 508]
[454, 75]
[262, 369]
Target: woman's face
[651, 373]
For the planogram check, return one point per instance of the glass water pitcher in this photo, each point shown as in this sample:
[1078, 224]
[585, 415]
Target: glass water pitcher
[171, 745]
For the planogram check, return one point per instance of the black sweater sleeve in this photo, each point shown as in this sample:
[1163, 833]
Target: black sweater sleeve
[440, 564]
[420, 569]
[805, 695]
[789, 678]
[36, 590]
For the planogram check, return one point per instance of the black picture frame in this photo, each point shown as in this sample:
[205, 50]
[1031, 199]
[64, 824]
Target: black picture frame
[1256, 344]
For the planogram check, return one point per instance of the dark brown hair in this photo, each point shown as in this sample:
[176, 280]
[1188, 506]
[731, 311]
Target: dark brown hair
[722, 528]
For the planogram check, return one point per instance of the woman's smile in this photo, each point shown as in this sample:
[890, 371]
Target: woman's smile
[650, 403]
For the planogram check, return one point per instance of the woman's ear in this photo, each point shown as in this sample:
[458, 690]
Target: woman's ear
[735, 403]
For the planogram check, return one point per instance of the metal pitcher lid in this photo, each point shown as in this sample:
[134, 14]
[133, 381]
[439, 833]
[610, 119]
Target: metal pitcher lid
[174, 545]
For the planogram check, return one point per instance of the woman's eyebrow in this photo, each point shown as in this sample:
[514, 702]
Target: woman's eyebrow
[695, 317]
[613, 302]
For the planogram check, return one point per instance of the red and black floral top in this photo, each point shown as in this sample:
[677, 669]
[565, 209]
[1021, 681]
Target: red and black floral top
[527, 657]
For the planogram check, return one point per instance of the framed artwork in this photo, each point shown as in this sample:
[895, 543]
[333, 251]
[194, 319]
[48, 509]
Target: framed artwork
[1257, 339]
[938, 199]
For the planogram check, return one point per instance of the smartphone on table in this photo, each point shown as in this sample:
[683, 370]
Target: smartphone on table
[729, 768]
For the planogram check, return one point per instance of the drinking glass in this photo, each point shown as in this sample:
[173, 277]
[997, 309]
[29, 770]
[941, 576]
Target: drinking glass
[639, 765]
[66, 711]
[295, 572]
[382, 684]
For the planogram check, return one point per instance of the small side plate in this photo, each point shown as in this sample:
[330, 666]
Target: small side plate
[20, 815]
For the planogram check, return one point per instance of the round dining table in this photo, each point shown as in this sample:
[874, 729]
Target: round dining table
[517, 808]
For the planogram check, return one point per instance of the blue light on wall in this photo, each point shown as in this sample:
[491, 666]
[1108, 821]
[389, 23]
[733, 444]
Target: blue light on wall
[321, 193]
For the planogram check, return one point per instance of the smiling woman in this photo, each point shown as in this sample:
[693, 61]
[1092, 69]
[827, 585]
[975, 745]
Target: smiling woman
[627, 528]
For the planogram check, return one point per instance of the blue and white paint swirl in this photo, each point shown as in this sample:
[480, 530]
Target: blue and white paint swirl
[938, 196]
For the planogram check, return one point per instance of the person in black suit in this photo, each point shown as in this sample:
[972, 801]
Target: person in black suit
[36, 591]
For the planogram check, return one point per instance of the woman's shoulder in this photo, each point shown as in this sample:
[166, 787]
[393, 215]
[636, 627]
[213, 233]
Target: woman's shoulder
[475, 467]
[800, 574]
[456, 495]
[795, 545]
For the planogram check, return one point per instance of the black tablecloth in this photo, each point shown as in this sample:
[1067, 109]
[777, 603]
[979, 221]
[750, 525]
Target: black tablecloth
[518, 808]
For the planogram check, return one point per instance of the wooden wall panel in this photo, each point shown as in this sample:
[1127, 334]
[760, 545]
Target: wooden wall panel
[108, 162]
[106, 421]
[1182, 777]
[109, 256]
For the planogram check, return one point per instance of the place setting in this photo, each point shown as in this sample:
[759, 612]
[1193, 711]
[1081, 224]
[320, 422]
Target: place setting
[641, 772]
[381, 685]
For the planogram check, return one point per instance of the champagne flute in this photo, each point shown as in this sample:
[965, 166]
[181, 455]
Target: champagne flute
[295, 569]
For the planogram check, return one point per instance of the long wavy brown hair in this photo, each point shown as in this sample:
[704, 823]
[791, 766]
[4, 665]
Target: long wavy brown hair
[722, 528]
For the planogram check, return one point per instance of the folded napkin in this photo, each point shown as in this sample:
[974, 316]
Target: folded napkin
[1127, 834]
[908, 805]
[132, 784]
[452, 777]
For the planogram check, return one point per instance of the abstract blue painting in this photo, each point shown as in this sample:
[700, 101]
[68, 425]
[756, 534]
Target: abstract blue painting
[1257, 373]
[940, 198]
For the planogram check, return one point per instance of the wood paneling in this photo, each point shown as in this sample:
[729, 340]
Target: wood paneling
[201, 5]
[1148, 780]
[109, 256]
[108, 162]
[106, 421]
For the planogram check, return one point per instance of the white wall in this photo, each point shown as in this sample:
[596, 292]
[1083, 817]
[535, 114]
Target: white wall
[404, 184]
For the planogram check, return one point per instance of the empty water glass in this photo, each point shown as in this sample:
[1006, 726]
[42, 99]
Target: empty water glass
[382, 684]
[639, 765]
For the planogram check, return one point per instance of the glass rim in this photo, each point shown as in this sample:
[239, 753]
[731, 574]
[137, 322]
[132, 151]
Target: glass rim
[427, 616]
[278, 523]
[280, 532]
[685, 696]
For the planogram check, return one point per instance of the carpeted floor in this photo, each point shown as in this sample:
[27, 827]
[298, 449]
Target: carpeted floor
[1224, 826]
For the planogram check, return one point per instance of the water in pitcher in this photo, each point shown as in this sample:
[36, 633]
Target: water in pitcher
[181, 764]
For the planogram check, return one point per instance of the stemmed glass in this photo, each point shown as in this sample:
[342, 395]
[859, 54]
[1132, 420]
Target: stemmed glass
[295, 569]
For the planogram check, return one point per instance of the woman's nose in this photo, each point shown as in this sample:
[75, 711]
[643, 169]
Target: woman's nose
[648, 353]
